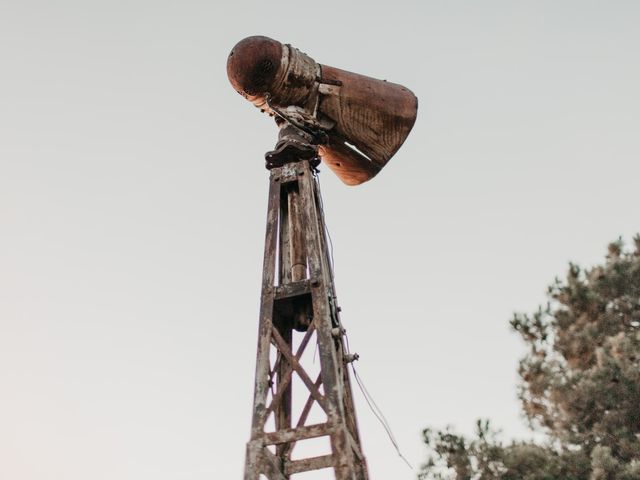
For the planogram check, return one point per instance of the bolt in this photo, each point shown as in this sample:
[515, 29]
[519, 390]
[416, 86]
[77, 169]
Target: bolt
[351, 357]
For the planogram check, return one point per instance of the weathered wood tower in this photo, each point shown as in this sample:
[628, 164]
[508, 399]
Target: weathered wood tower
[354, 124]
[298, 295]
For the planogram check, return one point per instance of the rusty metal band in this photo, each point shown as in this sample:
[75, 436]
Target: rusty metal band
[296, 79]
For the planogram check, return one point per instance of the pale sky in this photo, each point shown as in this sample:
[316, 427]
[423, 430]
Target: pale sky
[133, 202]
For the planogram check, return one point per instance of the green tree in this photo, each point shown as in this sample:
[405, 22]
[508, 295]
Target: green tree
[580, 384]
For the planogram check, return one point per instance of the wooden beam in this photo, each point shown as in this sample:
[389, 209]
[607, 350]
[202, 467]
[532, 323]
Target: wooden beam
[284, 349]
[308, 464]
[283, 383]
[299, 433]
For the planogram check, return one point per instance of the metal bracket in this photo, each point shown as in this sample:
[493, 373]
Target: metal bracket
[294, 145]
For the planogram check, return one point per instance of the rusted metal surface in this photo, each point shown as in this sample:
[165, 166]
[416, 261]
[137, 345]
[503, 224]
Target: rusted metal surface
[260, 65]
[293, 145]
[373, 115]
[346, 163]
[281, 295]
[252, 67]
[364, 120]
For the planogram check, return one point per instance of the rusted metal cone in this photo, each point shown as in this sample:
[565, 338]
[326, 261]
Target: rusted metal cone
[366, 120]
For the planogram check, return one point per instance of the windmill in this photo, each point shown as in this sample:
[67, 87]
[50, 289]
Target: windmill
[354, 124]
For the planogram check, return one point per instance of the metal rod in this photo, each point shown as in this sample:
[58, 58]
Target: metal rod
[298, 257]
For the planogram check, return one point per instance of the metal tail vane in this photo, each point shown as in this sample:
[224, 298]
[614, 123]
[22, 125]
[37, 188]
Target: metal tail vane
[357, 123]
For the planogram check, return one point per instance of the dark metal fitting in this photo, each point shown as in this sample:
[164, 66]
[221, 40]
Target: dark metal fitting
[351, 357]
[294, 145]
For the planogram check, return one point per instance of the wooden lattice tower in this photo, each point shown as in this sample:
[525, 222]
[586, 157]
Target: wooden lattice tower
[298, 300]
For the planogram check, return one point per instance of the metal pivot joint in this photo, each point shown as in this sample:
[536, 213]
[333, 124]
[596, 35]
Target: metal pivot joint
[301, 395]
[294, 144]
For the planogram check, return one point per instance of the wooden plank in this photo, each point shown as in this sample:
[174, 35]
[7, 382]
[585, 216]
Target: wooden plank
[330, 356]
[308, 464]
[288, 173]
[306, 409]
[261, 386]
[329, 361]
[283, 383]
[308, 404]
[283, 412]
[356, 447]
[282, 346]
[350, 434]
[293, 289]
[271, 466]
[305, 341]
[298, 433]
[252, 466]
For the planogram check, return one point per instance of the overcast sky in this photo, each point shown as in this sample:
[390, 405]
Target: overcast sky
[133, 202]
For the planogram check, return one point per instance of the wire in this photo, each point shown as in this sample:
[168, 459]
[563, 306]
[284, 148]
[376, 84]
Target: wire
[377, 412]
[324, 224]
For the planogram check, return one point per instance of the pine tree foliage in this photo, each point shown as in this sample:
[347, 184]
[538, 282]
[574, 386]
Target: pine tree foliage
[580, 384]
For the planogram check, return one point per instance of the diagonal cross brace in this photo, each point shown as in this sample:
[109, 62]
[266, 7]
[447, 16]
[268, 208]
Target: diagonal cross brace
[295, 364]
[286, 380]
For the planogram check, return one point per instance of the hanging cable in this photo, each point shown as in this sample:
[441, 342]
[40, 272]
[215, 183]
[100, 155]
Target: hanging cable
[316, 176]
[377, 412]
